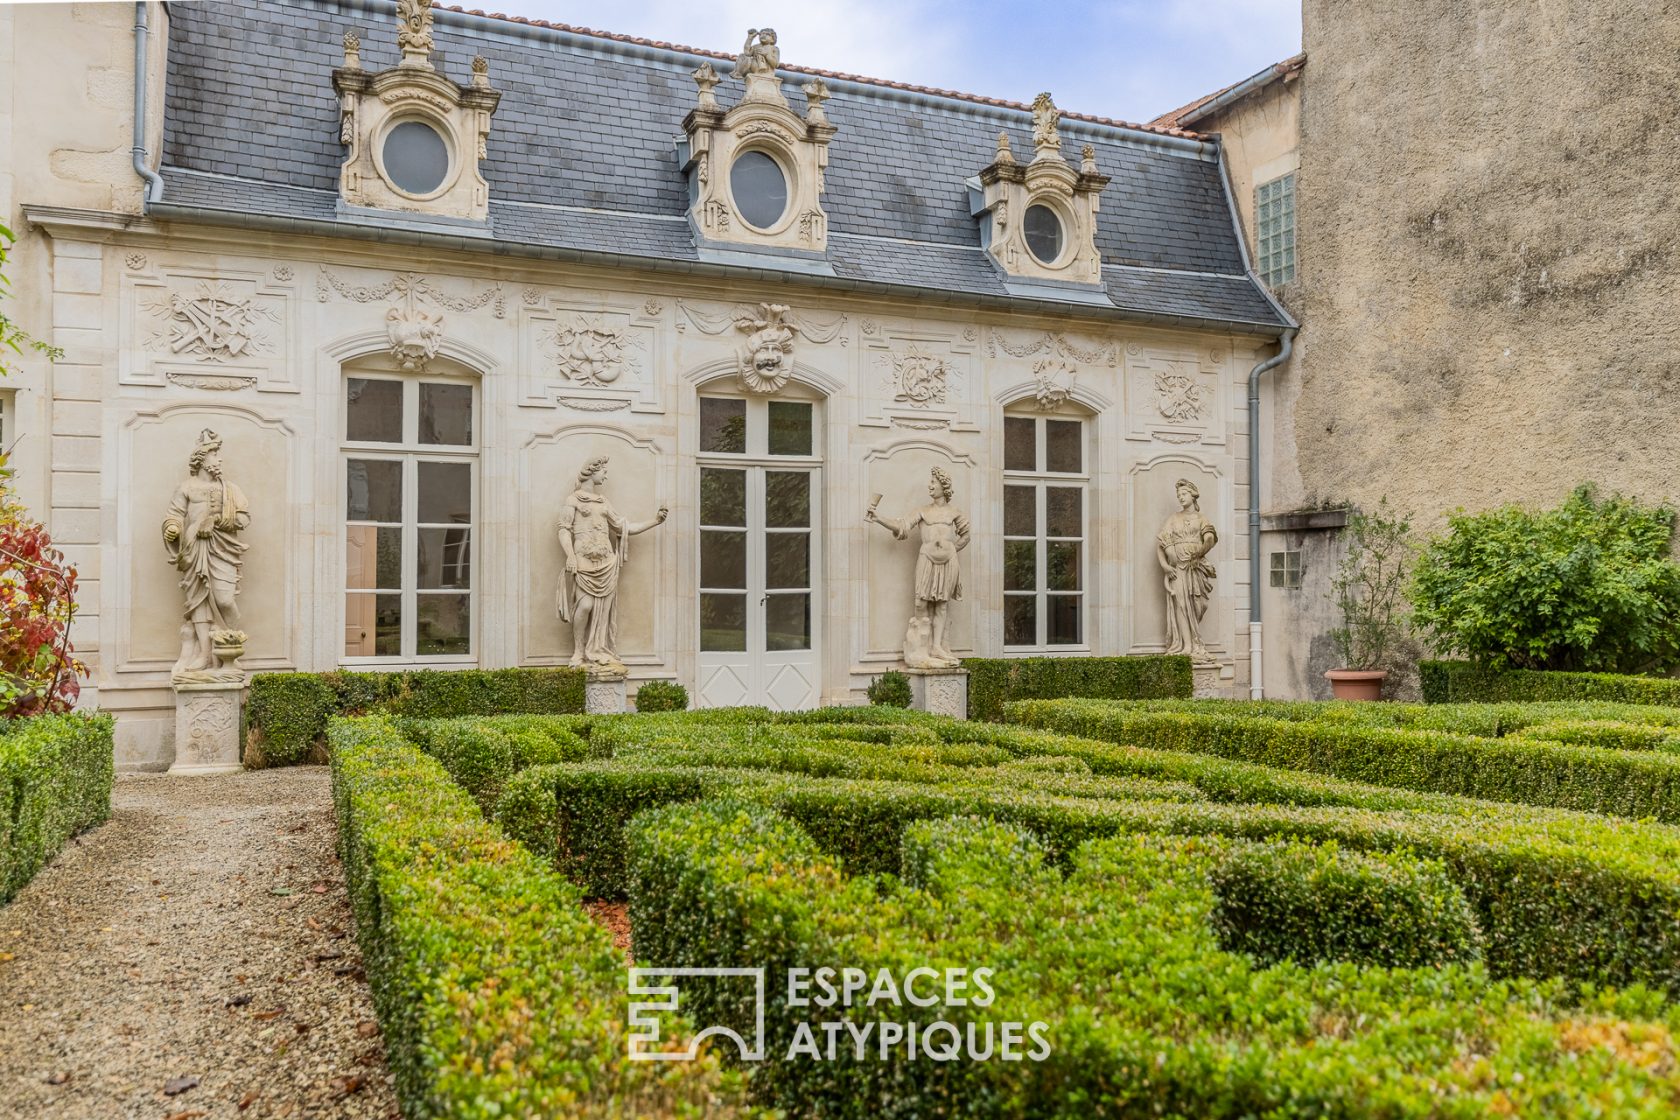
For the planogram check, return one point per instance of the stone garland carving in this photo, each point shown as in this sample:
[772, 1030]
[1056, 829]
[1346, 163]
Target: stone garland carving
[595, 540]
[1179, 398]
[1053, 383]
[919, 378]
[212, 382]
[945, 533]
[765, 359]
[213, 324]
[589, 352]
[1053, 343]
[201, 537]
[415, 333]
[1181, 547]
[594, 404]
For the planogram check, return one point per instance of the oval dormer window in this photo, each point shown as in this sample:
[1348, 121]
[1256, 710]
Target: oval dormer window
[415, 157]
[1043, 230]
[759, 188]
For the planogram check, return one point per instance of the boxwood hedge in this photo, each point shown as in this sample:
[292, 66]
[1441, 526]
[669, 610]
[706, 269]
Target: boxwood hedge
[1456, 682]
[56, 773]
[498, 995]
[993, 682]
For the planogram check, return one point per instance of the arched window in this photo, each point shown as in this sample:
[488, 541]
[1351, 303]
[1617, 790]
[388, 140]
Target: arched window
[1046, 519]
[410, 486]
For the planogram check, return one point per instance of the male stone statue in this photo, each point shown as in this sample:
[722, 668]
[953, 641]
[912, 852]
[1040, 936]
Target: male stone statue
[760, 55]
[938, 573]
[588, 592]
[1181, 547]
[201, 536]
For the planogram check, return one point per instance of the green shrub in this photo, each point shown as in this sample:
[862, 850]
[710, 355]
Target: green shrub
[661, 696]
[993, 682]
[481, 753]
[1589, 586]
[286, 714]
[1145, 1013]
[497, 994]
[1608, 734]
[1311, 903]
[56, 773]
[891, 690]
[1458, 682]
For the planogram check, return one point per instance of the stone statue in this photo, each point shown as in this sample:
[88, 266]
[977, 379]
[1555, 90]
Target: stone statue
[201, 536]
[1045, 115]
[938, 572]
[1181, 547]
[588, 591]
[760, 55]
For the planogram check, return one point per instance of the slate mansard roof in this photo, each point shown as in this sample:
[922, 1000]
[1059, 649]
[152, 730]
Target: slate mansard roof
[582, 157]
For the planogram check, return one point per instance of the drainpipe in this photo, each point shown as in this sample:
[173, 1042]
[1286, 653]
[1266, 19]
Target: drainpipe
[154, 181]
[1286, 345]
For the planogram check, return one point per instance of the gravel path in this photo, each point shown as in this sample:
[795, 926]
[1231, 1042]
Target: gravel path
[202, 934]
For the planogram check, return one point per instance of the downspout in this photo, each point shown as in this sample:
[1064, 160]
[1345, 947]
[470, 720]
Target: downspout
[1286, 345]
[154, 181]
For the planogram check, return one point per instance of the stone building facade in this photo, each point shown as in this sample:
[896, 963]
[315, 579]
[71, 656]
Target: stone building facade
[420, 270]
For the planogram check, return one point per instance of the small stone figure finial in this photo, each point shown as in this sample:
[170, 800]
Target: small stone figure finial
[352, 51]
[707, 79]
[760, 54]
[1004, 155]
[481, 71]
[816, 92]
[1045, 115]
[1088, 160]
[414, 32]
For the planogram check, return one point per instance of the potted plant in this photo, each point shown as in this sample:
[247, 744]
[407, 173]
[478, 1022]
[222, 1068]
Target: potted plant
[1368, 591]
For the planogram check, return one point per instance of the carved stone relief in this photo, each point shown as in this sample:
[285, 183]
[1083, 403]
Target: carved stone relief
[918, 379]
[233, 329]
[414, 319]
[589, 359]
[1053, 381]
[764, 360]
[1173, 397]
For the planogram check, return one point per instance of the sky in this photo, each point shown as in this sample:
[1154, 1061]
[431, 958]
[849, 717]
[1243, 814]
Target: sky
[1128, 59]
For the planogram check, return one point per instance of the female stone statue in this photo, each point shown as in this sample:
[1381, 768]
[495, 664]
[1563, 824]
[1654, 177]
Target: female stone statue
[201, 536]
[938, 572]
[1182, 547]
[588, 593]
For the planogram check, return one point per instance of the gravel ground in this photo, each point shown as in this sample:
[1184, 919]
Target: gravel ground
[193, 958]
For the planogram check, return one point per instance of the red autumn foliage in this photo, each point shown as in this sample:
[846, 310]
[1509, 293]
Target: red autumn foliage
[38, 669]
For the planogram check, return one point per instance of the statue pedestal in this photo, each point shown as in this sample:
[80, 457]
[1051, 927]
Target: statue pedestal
[944, 692]
[604, 693]
[1205, 681]
[207, 728]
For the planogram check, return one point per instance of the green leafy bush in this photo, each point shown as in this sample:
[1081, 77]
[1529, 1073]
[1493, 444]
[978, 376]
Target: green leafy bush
[497, 994]
[1368, 588]
[993, 682]
[482, 753]
[56, 774]
[661, 696]
[1589, 586]
[891, 689]
[286, 714]
[1458, 682]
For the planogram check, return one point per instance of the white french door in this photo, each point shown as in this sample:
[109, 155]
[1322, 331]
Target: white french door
[759, 556]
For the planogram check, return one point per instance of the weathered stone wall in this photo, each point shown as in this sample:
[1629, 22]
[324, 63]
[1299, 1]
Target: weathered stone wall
[1489, 214]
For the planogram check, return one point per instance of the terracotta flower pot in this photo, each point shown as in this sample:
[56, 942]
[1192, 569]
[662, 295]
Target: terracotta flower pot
[1357, 684]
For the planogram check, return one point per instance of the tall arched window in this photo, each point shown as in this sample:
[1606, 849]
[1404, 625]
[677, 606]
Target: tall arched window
[410, 486]
[1046, 518]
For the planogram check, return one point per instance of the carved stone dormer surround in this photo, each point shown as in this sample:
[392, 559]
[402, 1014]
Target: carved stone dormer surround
[762, 121]
[373, 104]
[1009, 189]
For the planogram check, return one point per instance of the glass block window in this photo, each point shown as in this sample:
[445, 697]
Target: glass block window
[1274, 220]
[1045, 514]
[410, 481]
[1286, 570]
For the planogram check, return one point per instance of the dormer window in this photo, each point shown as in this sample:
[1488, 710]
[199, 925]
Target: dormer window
[1044, 234]
[760, 189]
[414, 158]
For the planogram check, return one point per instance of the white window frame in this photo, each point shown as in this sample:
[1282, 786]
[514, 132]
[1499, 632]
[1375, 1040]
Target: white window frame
[1274, 230]
[1041, 480]
[8, 419]
[411, 453]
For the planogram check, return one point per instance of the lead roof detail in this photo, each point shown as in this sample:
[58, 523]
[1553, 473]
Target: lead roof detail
[583, 157]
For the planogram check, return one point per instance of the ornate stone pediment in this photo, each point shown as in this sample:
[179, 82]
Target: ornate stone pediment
[756, 170]
[415, 138]
[1039, 219]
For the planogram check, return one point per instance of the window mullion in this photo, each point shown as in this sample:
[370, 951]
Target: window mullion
[410, 546]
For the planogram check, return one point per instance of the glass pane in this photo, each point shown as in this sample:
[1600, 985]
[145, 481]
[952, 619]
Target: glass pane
[1020, 620]
[1062, 506]
[759, 188]
[723, 559]
[723, 623]
[373, 557]
[787, 560]
[1044, 233]
[723, 496]
[1064, 450]
[446, 414]
[445, 493]
[1020, 565]
[1063, 622]
[1061, 563]
[373, 410]
[374, 490]
[445, 558]
[415, 157]
[787, 499]
[372, 625]
[1020, 511]
[1020, 444]
[787, 622]
[790, 428]
[723, 426]
[443, 626]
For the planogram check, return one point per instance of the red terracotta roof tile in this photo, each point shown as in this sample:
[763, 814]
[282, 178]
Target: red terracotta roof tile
[1279, 70]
